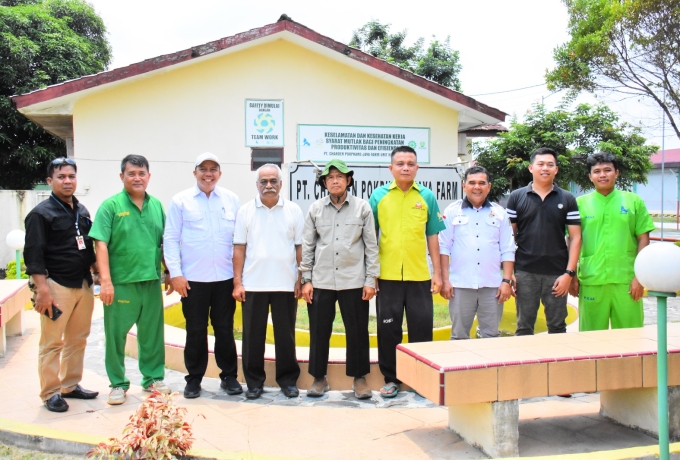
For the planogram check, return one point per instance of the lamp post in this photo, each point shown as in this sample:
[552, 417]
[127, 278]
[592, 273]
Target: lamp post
[15, 240]
[657, 267]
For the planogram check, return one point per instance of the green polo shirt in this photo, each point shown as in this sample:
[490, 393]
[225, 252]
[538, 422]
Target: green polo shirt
[610, 226]
[134, 237]
[404, 220]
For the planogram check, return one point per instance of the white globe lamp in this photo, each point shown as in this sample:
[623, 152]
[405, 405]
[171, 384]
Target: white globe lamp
[16, 240]
[657, 268]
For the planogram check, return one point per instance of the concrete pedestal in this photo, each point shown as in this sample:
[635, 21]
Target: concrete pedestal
[638, 408]
[14, 326]
[491, 427]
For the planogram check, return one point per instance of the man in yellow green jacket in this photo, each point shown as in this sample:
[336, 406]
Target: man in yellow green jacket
[615, 227]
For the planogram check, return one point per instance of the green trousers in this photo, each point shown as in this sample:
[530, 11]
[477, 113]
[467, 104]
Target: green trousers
[597, 305]
[141, 304]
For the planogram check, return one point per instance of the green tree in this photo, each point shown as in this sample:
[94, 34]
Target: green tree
[438, 62]
[42, 42]
[630, 47]
[573, 135]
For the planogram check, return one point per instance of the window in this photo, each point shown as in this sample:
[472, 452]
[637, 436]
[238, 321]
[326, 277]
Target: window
[260, 157]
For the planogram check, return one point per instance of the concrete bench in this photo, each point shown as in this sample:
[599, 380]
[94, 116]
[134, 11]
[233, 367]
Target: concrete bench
[14, 295]
[481, 381]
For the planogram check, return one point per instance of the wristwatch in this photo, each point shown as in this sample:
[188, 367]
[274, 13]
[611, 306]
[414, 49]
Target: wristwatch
[571, 273]
[306, 280]
[510, 282]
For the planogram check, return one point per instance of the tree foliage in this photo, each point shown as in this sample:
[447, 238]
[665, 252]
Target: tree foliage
[573, 135]
[630, 47]
[41, 43]
[438, 62]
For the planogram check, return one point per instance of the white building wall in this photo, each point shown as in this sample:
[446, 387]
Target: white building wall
[651, 192]
[172, 117]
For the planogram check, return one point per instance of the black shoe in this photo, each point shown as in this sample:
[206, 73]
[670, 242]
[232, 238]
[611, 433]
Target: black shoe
[192, 390]
[253, 393]
[56, 404]
[231, 386]
[290, 391]
[80, 393]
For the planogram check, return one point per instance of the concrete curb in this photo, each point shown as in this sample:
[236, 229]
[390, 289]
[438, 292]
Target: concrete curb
[44, 439]
[49, 440]
[631, 453]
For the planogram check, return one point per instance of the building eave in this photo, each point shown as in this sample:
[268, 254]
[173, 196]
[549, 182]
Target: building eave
[48, 103]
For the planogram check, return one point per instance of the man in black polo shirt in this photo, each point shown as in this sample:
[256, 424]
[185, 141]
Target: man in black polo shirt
[544, 264]
[58, 255]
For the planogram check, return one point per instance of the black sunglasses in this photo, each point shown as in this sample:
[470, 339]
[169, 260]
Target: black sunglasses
[61, 161]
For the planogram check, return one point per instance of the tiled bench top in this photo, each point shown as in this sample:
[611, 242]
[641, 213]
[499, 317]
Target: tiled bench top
[10, 287]
[486, 370]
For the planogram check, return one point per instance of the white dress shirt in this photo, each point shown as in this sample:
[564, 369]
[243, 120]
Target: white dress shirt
[198, 238]
[270, 236]
[476, 240]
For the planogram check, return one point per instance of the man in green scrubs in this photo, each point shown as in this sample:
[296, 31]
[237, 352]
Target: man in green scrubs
[129, 233]
[615, 227]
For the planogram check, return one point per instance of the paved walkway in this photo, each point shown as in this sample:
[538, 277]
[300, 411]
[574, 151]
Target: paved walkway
[336, 426]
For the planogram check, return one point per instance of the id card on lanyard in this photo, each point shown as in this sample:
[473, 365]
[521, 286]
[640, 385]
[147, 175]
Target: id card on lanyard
[80, 241]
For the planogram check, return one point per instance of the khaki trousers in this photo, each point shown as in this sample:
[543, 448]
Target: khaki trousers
[62, 342]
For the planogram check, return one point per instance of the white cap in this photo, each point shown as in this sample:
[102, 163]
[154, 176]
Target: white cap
[207, 156]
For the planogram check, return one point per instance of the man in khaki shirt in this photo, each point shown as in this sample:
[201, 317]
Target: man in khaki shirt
[339, 263]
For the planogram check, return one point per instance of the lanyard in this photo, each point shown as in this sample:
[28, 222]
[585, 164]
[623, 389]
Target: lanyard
[67, 211]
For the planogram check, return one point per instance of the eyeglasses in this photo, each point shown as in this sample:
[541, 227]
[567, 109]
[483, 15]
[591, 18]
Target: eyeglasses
[264, 182]
[63, 161]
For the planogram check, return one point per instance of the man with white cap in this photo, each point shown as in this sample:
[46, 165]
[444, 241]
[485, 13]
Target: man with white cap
[198, 253]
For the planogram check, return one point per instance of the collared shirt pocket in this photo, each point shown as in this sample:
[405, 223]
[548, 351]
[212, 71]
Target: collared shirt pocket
[495, 223]
[194, 226]
[460, 220]
[324, 228]
[460, 226]
[227, 225]
[63, 223]
[353, 229]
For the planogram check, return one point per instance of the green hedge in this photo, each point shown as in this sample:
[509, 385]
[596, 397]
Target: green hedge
[11, 272]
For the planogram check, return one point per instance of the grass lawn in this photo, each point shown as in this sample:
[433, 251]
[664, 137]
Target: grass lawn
[14, 453]
[441, 318]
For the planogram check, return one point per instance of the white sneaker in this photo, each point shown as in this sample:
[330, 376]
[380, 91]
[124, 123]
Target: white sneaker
[116, 396]
[159, 386]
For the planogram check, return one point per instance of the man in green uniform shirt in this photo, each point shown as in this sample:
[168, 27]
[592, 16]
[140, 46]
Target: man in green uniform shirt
[615, 227]
[129, 233]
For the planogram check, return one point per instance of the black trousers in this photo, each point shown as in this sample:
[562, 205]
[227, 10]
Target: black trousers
[354, 313]
[255, 313]
[393, 298]
[212, 300]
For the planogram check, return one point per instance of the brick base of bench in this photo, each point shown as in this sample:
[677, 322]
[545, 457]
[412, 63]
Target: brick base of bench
[492, 427]
[14, 295]
[639, 409]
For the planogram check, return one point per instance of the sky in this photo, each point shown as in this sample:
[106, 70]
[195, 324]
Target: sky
[504, 45]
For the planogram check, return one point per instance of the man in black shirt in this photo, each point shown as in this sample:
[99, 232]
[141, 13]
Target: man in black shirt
[544, 264]
[58, 255]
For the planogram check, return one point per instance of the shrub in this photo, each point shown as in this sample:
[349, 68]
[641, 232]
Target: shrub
[11, 272]
[157, 430]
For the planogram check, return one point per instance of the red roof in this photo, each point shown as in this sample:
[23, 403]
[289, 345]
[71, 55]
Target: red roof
[149, 65]
[670, 156]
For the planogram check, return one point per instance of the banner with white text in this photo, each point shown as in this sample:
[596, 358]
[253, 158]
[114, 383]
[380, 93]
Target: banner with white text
[444, 181]
[360, 144]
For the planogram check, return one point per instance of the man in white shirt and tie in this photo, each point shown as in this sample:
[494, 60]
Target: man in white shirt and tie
[477, 240]
[198, 253]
